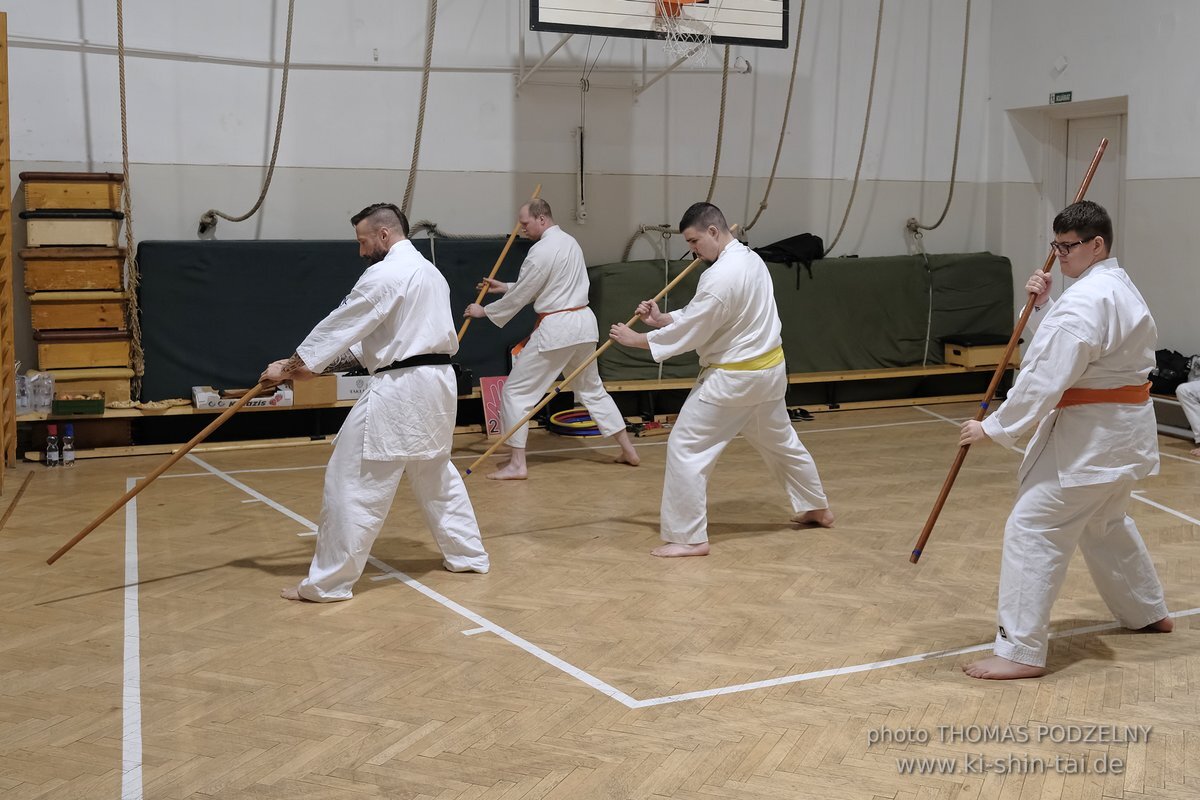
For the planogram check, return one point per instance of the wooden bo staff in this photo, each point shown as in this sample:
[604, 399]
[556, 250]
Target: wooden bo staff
[567, 380]
[483, 289]
[996, 378]
[159, 470]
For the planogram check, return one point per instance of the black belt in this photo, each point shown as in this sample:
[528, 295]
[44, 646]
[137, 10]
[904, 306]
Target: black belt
[423, 360]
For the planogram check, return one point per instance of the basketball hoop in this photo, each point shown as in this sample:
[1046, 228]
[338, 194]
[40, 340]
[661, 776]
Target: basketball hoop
[684, 37]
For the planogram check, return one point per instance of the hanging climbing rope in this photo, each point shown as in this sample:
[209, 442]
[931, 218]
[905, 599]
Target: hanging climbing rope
[914, 226]
[406, 206]
[132, 273]
[712, 185]
[209, 218]
[866, 126]
[787, 107]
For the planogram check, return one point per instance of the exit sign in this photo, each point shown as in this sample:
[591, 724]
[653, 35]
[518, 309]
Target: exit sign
[1060, 97]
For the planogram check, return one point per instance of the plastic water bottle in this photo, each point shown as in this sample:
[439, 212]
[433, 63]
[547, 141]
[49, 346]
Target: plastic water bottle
[52, 446]
[24, 401]
[68, 446]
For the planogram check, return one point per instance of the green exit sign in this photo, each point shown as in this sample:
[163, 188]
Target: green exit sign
[1060, 97]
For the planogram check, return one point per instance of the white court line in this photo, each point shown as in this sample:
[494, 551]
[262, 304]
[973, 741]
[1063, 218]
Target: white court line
[287, 512]
[131, 684]
[486, 625]
[1179, 458]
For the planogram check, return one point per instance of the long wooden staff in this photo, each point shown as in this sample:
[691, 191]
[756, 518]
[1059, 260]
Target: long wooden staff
[567, 380]
[483, 289]
[159, 470]
[1000, 370]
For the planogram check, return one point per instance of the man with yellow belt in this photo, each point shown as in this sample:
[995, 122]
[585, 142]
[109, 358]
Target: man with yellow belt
[1082, 382]
[554, 278]
[733, 325]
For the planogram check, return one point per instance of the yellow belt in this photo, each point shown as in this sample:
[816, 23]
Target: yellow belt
[765, 361]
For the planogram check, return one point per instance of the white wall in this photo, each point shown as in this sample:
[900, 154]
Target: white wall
[203, 82]
[1112, 49]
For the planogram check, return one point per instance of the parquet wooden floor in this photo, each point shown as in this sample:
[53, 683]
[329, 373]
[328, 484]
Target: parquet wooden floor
[788, 664]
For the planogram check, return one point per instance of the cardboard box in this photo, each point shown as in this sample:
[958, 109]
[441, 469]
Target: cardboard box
[351, 387]
[318, 391]
[208, 397]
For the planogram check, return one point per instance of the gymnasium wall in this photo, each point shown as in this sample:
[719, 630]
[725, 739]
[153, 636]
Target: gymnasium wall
[203, 81]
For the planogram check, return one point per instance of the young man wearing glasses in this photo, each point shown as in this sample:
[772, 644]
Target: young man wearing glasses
[1083, 383]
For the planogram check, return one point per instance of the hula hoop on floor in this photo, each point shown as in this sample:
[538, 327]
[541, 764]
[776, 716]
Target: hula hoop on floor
[576, 422]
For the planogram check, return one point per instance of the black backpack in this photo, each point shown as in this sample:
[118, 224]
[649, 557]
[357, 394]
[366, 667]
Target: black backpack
[1171, 370]
[803, 249]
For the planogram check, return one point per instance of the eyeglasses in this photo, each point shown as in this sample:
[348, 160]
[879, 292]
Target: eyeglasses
[1064, 248]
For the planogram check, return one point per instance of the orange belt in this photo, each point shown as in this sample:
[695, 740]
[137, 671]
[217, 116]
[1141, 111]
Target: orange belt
[521, 344]
[1122, 394]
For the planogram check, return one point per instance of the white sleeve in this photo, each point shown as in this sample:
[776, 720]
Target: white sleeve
[344, 328]
[529, 284]
[691, 327]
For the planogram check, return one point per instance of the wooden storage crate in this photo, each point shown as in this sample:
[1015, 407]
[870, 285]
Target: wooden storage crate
[76, 310]
[975, 350]
[56, 269]
[69, 229]
[113, 381]
[82, 348]
[72, 190]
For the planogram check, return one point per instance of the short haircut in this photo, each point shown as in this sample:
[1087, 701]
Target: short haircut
[539, 208]
[701, 215]
[382, 215]
[1087, 219]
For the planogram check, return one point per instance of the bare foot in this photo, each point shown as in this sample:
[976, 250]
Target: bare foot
[820, 517]
[1196, 452]
[680, 550]
[290, 593]
[1164, 625]
[508, 473]
[995, 668]
[631, 458]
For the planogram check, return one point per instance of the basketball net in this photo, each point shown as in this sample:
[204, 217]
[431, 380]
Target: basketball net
[683, 36]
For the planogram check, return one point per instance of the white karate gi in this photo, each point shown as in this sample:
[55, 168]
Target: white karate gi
[1188, 395]
[404, 422]
[732, 318]
[554, 278]
[1078, 471]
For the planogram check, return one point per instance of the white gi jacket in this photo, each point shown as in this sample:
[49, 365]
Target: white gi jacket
[400, 307]
[731, 318]
[1098, 335]
[554, 277]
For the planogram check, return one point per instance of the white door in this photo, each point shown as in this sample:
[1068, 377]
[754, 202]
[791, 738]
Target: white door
[1083, 137]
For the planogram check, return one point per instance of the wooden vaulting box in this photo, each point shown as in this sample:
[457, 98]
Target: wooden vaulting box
[77, 310]
[72, 228]
[56, 269]
[113, 381]
[975, 349]
[69, 349]
[73, 190]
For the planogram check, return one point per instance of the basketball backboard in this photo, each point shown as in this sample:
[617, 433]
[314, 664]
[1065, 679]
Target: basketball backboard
[757, 23]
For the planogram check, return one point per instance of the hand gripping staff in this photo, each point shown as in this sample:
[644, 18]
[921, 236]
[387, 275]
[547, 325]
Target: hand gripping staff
[1000, 370]
[567, 380]
[159, 470]
[483, 289]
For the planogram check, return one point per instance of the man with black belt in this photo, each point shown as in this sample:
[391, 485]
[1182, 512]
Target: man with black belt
[554, 278]
[397, 324]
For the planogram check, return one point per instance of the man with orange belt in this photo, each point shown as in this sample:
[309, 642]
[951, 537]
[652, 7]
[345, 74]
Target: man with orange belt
[1082, 382]
[554, 278]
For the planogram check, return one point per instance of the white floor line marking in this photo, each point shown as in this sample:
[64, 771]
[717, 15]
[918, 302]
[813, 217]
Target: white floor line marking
[252, 500]
[1137, 495]
[474, 631]
[1180, 458]
[925, 410]
[486, 625]
[131, 691]
[287, 512]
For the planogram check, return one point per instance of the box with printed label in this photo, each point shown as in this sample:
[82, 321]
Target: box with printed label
[208, 397]
[351, 387]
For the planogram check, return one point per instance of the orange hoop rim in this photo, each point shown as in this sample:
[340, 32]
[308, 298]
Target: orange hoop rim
[671, 8]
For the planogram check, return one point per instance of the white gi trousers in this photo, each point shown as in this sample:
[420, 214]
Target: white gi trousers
[534, 373]
[358, 495]
[1188, 395]
[1048, 520]
[701, 432]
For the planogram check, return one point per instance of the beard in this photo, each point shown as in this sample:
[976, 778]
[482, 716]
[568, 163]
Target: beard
[375, 256]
